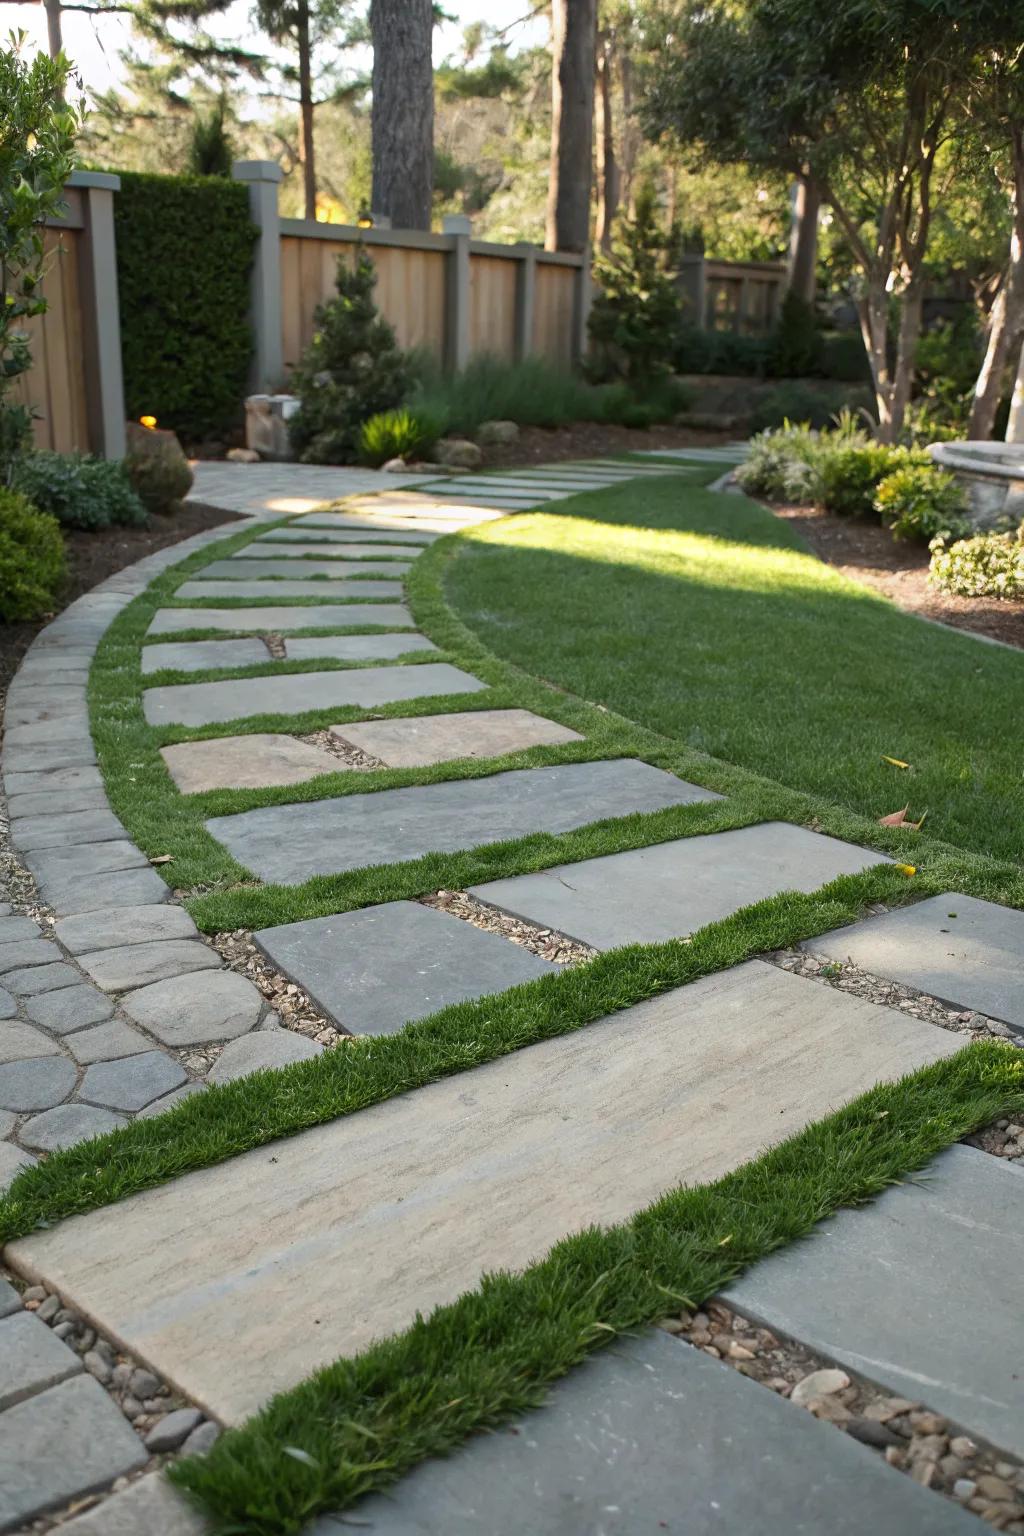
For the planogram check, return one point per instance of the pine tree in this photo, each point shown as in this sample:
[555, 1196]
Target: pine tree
[352, 369]
[635, 318]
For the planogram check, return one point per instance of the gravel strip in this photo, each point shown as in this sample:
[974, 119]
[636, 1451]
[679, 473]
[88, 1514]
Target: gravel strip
[539, 941]
[922, 1444]
[295, 1009]
[348, 756]
[1004, 1138]
[274, 644]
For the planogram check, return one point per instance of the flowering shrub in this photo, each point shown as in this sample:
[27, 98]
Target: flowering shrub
[990, 565]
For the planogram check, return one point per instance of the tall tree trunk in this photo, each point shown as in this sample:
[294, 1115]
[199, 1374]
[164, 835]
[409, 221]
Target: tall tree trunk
[607, 166]
[54, 32]
[573, 43]
[803, 243]
[308, 155]
[402, 116]
[906, 353]
[627, 157]
[1007, 310]
[1015, 425]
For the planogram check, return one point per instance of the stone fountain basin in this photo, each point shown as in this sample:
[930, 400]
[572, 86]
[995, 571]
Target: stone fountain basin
[992, 474]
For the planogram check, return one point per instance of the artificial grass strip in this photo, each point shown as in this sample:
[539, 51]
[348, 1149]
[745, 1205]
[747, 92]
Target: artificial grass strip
[483, 1360]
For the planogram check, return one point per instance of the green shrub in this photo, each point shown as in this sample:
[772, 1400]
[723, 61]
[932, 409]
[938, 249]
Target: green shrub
[161, 477]
[184, 250]
[814, 404]
[851, 475]
[636, 314]
[783, 465]
[794, 349]
[990, 565]
[398, 434]
[79, 492]
[843, 358]
[922, 501]
[721, 352]
[352, 369]
[31, 559]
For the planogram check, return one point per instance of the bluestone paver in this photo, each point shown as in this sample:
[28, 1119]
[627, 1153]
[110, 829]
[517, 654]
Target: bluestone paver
[421, 739]
[347, 963]
[132, 1082]
[19, 1041]
[65, 1442]
[8, 1004]
[59, 831]
[197, 1009]
[46, 802]
[919, 1291]
[149, 1507]
[246, 762]
[203, 655]
[135, 965]
[268, 618]
[273, 591]
[33, 979]
[332, 570]
[34, 1358]
[124, 925]
[405, 1204]
[70, 1009]
[27, 952]
[325, 534]
[289, 843]
[266, 1048]
[12, 1160]
[13, 929]
[67, 1125]
[966, 952]
[72, 893]
[326, 549]
[64, 729]
[58, 778]
[91, 859]
[20, 762]
[10, 1299]
[650, 1436]
[106, 1042]
[382, 647]
[295, 693]
[38, 1083]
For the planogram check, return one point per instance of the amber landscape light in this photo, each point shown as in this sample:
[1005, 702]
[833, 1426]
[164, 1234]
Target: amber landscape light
[148, 421]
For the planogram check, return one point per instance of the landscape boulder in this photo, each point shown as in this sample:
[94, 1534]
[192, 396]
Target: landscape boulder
[458, 453]
[497, 434]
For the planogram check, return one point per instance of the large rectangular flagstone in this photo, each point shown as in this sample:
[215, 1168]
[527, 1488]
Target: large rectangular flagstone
[290, 843]
[402, 1206]
[259, 620]
[420, 739]
[245, 565]
[262, 549]
[347, 963]
[269, 590]
[652, 1435]
[296, 692]
[333, 535]
[967, 952]
[667, 891]
[245, 762]
[920, 1291]
[202, 655]
[355, 647]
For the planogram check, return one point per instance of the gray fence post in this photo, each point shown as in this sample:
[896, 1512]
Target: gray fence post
[262, 178]
[526, 290]
[101, 319]
[457, 329]
[583, 295]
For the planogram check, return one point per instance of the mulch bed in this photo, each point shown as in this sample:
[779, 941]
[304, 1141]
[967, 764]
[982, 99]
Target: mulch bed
[871, 555]
[92, 557]
[593, 439]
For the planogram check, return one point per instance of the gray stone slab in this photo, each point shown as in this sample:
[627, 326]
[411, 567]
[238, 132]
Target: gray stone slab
[124, 925]
[68, 894]
[34, 1358]
[70, 1009]
[667, 891]
[355, 647]
[19, 1042]
[8, 1005]
[10, 1299]
[20, 761]
[268, 1048]
[62, 830]
[12, 1161]
[203, 655]
[40, 978]
[919, 1291]
[48, 802]
[309, 549]
[652, 1435]
[325, 533]
[347, 963]
[149, 1507]
[14, 929]
[66, 1442]
[418, 740]
[331, 570]
[36, 1084]
[67, 1125]
[106, 1042]
[49, 732]
[966, 952]
[290, 843]
[132, 1082]
[169, 1100]
[296, 692]
[273, 591]
[258, 620]
[53, 780]
[88, 859]
[195, 1010]
[136, 965]
[27, 952]
[246, 762]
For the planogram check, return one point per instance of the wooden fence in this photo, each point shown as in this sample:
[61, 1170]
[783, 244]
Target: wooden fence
[742, 296]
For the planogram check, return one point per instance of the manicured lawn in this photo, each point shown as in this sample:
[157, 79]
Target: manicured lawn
[703, 618]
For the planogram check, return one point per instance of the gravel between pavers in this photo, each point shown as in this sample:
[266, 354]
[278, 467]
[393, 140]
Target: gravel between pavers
[922, 1444]
[539, 941]
[294, 1008]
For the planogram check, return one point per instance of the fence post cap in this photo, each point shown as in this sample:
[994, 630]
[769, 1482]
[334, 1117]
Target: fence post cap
[256, 170]
[101, 181]
[456, 224]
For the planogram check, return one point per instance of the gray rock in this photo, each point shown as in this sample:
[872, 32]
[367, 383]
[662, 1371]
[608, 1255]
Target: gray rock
[34, 1358]
[106, 1042]
[19, 1041]
[136, 965]
[290, 843]
[249, 620]
[69, 1009]
[169, 1432]
[201, 655]
[274, 591]
[125, 888]
[202, 1439]
[10, 1300]
[8, 1005]
[382, 647]
[32, 980]
[115, 926]
[133, 1082]
[414, 741]
[8, 1120]
[642, 1432]
[61, 831]
[97, 1365]
[61, 1444]
[347, 963]
[12, 1161]
[296, 692]
[194, 1010]
[254, 1053]
[37, 1084]
[966, 952]
[458, 453]
[833, 1291]
[246, 762]
[331, 570]
[149, 1507]
[143, 1383]
[28, 952]
[498, 433]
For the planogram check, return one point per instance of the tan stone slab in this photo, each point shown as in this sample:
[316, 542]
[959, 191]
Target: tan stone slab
[245, 762]
[404, 1205]
[422, 739]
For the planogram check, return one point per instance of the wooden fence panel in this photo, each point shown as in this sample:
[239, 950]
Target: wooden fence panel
[553, 303]
[492, 305]
[55, 384]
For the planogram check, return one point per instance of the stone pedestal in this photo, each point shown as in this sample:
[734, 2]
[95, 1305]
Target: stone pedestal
[992, 474]
[266, 424]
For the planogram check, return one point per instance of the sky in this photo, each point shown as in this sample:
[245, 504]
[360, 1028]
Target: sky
[94, 43]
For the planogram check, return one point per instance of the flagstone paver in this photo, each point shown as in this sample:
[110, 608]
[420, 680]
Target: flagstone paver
[245, 762]
[26, 952]
[66, 1125]
[290, 843]
[270, 618]
[666, 891]
[69, 893]
[417, 740]
[405, 1204]
[124, 925]
[131, 1082]
[336, 570]
[70, 1009]
[59, 831]
[196, 1009]
[40, 802]
[34, 1358]
[951, 1246]
[652, 1435]
[106, 1042]
[329, 549]
[37, 1083]
[347, 963]
[151, 1506]
[271, 591]
[382, 647]
[294, 693]
[197, 655]
[134, 965]
[311, 530]
[255, 1053]
[19, 1041]
[966, 952]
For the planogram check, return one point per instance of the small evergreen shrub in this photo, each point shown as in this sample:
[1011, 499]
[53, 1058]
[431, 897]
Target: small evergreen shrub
[922, 501]
[78, 491]
[398, 434]
[794, 350]
[32, 562]
[352, 369]
[161, 477]
[851, 475]
[990, 565]
[783, 465]
[843, 358]
[721, 352]
[635, 318]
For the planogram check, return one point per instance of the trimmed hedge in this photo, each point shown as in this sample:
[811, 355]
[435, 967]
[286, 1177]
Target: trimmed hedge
[184, 253]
